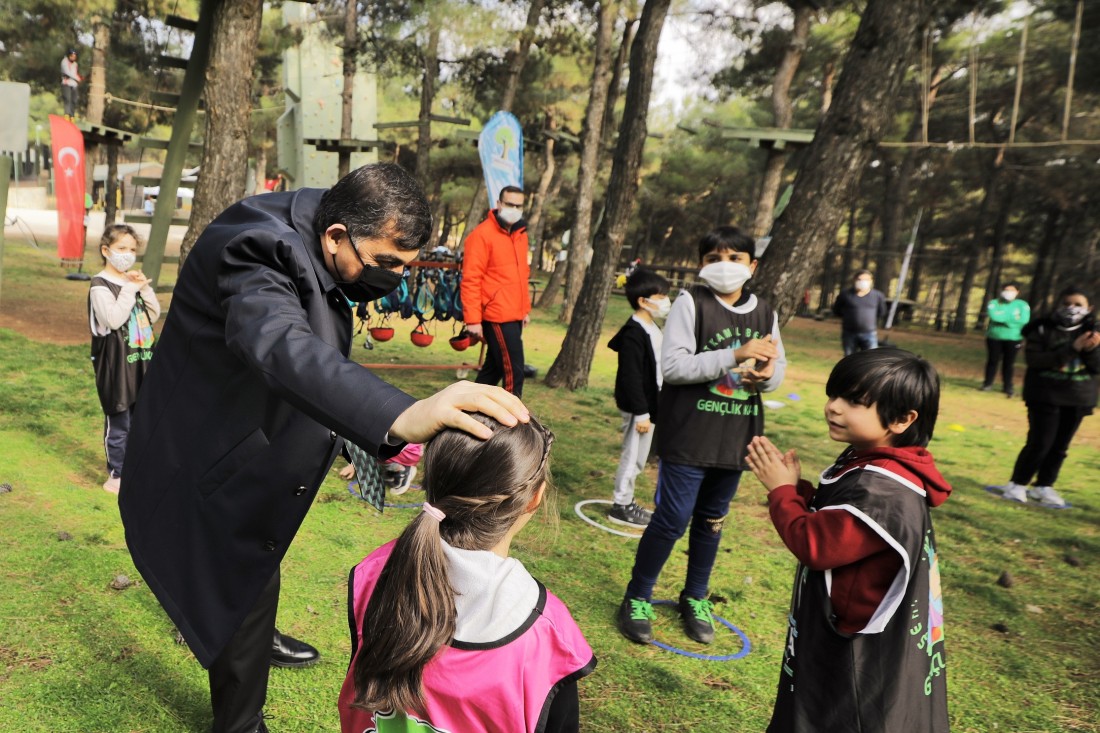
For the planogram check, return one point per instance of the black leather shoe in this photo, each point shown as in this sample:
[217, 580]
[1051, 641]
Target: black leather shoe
[289, 652]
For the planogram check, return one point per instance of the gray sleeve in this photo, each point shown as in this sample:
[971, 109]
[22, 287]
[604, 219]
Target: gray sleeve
[679, 362]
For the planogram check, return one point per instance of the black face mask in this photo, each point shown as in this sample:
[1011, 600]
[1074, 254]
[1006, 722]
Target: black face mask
[373, 282]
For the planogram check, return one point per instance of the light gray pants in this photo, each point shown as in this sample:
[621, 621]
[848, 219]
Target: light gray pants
[632, 461]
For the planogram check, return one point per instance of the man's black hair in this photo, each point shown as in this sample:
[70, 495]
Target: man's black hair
[643, 283]
[381, 200]
[509, 189]
[895, 381]
[860, 273]
[1011, 284]
[727, 238]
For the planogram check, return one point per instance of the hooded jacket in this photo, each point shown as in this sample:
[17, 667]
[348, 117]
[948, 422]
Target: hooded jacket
[865, 645]
[862, 563]
[495, 273]
[636, 389]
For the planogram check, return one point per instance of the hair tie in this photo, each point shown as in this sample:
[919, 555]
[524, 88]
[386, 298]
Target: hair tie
[434, 513]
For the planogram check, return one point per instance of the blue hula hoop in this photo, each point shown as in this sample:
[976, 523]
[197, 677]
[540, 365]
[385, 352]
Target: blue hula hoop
[745, 649]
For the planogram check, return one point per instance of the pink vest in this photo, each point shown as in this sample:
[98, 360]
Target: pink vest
[504, 686]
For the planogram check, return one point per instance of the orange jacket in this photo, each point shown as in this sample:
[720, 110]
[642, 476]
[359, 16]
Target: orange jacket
[495, 274]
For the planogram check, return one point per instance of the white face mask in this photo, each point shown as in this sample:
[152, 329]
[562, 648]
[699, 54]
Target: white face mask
[509, 215]
[863, 285]
[663, 306]
[1008, 295]
[725, 277]
[121, 261]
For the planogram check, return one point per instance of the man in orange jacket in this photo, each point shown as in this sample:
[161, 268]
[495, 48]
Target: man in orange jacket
[496, 301]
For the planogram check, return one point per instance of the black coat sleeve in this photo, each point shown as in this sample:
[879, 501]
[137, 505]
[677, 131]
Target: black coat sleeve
[630, 382]
[260, 287]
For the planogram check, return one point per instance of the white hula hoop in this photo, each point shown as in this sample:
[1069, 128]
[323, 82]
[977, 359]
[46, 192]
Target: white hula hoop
[594, 523]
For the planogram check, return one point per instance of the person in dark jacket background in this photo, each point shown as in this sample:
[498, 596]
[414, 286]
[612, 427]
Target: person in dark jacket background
[861, 308]
[248, 399]
[1061, 386]
[637, 384]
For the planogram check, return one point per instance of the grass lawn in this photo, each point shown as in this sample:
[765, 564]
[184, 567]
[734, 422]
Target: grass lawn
[78, 655]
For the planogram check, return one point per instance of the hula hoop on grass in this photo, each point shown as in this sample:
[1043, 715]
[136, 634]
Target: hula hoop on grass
[594, 523]
[745, 649]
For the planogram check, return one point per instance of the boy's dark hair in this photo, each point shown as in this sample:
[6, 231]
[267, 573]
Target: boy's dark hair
[1073, 290]
[509, 189]
[643, 283]
[1011, 284]
[381, 200]
[860, 273]
[895, 381]
[727, 237]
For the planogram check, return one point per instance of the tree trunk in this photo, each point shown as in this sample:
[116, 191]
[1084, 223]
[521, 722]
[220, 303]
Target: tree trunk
[427, 95]
[977, 246]
[519, 55]
[549, 166]
[1042, 275]
[827, 80]
[261, 169]
[347, 92]
[538, 230]
[896, 198]
[861, 112]
[589, 160]
[781, 116]
[996, 264]
[615, 86]
[234, 36]
[572, 366]
[97, 80]
[110, 203]
[845, 276]
[471, 214]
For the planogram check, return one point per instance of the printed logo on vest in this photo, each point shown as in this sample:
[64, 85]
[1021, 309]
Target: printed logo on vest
[399, 722]
[932, 637]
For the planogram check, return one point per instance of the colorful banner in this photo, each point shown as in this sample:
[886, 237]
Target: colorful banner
[500, 146]
[67, 145]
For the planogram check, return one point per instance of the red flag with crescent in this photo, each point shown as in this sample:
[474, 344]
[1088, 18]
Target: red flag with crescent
[68, 173]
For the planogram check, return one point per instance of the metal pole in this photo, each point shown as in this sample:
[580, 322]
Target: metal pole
[193, 81]
[6, 164]
[904, 272]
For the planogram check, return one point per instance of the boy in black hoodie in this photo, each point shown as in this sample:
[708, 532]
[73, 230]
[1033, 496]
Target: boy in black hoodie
[637, 384]
[865, 648]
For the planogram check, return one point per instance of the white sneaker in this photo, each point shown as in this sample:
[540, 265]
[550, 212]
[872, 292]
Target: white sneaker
[1047, 496]
[1014, 492]
[407, 479]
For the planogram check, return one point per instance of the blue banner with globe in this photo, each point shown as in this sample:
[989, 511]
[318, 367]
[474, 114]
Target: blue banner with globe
[500, 146]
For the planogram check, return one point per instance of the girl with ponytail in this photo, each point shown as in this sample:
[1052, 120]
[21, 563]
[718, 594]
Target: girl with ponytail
[447, 630]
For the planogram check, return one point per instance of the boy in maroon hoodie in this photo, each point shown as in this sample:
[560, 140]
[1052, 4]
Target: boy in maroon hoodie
[865, 645]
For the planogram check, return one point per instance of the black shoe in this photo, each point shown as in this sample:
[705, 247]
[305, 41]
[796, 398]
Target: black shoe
[1009, 393]
[696, 616]
[287, 651]
[630, 515]
[987, 387]
[635, 620]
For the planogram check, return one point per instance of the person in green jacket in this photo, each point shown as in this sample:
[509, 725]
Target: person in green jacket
[1008, 314]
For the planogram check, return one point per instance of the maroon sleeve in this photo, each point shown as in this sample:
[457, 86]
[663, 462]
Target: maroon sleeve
[820, 540]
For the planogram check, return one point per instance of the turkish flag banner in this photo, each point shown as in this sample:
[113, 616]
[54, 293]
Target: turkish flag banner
[67, 144]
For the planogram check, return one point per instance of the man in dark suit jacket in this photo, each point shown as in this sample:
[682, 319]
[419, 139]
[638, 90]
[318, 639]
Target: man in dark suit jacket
[246, 402]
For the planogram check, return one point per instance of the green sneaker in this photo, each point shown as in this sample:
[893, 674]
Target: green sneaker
[634, 620]
[696, 616]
